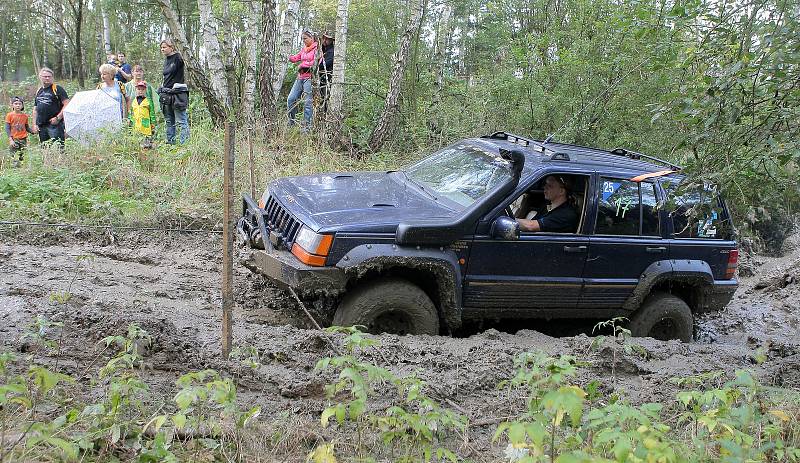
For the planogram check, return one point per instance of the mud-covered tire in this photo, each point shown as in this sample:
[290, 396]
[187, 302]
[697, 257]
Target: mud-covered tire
[663, 316]
[389, 306]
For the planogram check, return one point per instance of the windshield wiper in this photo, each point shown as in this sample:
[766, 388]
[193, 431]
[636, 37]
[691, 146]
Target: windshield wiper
[417, 184]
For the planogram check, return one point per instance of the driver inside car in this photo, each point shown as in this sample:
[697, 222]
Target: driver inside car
[560, 216]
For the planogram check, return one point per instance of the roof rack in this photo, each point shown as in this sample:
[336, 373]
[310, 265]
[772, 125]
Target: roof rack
[516, 139]
[634, 155]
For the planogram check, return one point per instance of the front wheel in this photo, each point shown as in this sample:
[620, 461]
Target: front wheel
[663, 316]
[390, 305]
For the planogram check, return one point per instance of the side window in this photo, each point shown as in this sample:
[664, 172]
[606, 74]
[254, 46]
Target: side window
[698, 214]
[627, 208]
[618, 212]
[650, 223]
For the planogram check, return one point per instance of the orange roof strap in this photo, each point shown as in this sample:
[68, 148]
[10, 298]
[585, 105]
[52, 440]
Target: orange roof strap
[660, 173]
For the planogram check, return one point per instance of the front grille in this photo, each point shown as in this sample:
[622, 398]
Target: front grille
[280, 221]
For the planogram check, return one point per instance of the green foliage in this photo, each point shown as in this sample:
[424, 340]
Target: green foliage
[413, 423]
[739, 421]
[52, 425]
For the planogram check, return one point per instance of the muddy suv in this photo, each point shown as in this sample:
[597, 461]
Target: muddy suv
[424, 249]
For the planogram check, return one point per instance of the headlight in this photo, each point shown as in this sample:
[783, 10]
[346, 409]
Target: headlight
[262, 203]
[311, 248]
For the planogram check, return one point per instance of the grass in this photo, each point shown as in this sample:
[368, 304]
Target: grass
[115, 182]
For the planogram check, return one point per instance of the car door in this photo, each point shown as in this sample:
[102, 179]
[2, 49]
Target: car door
[532, 275]
[626, 239]
[705, 235]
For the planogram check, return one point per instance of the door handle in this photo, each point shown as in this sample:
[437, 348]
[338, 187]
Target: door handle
[574, 248]
[656, 249]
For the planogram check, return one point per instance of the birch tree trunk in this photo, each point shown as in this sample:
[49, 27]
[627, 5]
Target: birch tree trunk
[98, 32]
[251, 47]
[3, 49]
[442, 52]
[386, 120]
[32, 42]
[216, 68]
[78, 9]
[443, 32]
[197, 76]
[288, 31]
[106, 32]
[265, 71]
[336, 102]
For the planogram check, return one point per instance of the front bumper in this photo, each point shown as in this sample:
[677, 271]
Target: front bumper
[281, 266]
[283, 269]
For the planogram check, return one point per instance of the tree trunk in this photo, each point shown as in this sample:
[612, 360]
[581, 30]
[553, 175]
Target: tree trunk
[3, 49]
[216, 68]
[197, 77]
[78, 45]
[37, 64]
[106, 32]
[336, 103]
[386, 120]
[288, 31]
[435, 119]
[251, 46]
[265, 72]
[98, 31]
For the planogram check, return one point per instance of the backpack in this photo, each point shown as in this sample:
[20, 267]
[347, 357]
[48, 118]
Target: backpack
[54, 89]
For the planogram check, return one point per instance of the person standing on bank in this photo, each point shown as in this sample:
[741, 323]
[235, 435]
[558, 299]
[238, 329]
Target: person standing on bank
[325, 67]
[48, 117]
[114, 89]
[124, 71]
[138, 76]
[174, 93]
[302, 84]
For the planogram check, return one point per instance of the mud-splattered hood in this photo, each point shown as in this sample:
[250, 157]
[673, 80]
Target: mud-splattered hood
[368, 201]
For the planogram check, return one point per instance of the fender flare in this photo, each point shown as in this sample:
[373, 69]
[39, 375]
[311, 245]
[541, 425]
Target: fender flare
[441, 262]
[692, 271]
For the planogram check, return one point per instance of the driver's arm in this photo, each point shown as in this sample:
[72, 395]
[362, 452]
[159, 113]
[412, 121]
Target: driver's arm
[529, 225]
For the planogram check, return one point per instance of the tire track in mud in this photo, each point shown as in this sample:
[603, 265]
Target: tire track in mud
[171, 288]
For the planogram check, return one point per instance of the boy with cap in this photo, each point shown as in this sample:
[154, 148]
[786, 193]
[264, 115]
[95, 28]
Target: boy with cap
[143, 114]
[17, 128]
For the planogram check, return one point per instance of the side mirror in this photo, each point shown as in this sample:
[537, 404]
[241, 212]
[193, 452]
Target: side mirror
[505, 228]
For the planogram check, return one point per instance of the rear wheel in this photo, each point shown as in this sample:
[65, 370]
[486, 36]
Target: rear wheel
[389, 306]
[663, 316]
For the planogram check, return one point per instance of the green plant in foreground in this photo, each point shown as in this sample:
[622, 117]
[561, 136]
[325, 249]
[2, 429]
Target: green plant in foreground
[738, 421]
[415, 422]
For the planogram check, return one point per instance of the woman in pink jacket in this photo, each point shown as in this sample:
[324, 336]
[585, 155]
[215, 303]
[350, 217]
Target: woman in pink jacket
[302, 84]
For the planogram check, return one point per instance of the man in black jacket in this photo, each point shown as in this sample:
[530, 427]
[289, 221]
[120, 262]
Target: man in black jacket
[325, 67]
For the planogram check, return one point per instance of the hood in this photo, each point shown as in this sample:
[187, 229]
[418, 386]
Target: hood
[364, 201]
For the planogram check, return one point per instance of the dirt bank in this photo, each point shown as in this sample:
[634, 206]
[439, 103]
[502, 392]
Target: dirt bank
[170, 287]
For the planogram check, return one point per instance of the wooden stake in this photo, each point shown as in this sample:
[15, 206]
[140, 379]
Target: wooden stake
[252, 164]
[227, 240]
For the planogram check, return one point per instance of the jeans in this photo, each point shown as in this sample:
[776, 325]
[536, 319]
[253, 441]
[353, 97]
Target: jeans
[171, 116]
[324, 89]
[52, 132]
[300, 86]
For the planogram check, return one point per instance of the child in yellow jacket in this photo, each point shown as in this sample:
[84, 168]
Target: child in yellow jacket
[143, 114]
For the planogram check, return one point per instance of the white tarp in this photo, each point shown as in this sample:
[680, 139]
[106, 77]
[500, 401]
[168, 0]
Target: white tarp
[91, 113]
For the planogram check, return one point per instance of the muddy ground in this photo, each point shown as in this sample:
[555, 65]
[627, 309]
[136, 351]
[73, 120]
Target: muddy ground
[169, 285]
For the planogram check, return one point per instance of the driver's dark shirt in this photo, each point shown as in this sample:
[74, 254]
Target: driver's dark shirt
[562, 219]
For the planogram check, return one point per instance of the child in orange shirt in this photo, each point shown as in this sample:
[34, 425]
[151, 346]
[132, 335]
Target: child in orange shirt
[17, 128]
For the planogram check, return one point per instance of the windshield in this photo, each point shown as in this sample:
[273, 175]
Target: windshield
[461, 173]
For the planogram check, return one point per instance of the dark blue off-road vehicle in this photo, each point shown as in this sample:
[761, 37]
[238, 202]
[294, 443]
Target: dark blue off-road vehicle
[423, 249]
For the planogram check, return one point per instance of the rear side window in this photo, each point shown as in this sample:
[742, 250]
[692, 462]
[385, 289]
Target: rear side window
[627, 208]
[698, 213]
